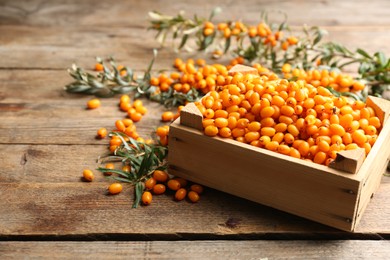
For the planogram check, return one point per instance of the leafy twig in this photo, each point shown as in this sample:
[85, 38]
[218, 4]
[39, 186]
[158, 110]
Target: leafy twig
[143, 158]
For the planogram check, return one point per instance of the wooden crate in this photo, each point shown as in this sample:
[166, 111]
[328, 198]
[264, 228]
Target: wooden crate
[329, 196]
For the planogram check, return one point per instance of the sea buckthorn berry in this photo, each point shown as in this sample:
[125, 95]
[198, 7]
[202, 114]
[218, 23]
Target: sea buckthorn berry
[252, 136]
[323, 146]
[126, 168]
[207, 121]
[180, 194]
[211, 130]
[320, 157]
[193, 196]
[141, 109]
[159, 189]
[268, 131]
[162, 131]
[197, 188]
[102, 132]
[278, 137]
[337, 129]
[284, 149]
[370, 130]
[160, 176]
[173, 184]
[150, 183]
[167, 116]
[374, 121]
[93, 103]
[268, 122]
[303, 148]
[225, 132]
[109, 166]
[267, 112]
[124, 99]
[359, 137]
[351, 146]
[221, 122]
[99, 67]
[183, 182]
[254, 126]
[124, 106]
[289, 138]
[88, 175]
[221, 113]
[115, 188]
[146, 198]
[272, 146]
[136, 116]
[120, 125]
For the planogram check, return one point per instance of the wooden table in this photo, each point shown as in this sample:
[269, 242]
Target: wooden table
[47, 138]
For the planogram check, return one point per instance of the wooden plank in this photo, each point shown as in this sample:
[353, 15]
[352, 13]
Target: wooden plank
[198, 250]
[49, 163]
[66, 121]
[73, 12]
[52, 48]
[80, 210]
[36, 179]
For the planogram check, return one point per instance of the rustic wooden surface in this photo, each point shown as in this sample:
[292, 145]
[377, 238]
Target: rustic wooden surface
[47, 138]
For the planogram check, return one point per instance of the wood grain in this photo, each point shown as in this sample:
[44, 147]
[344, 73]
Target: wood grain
[130, 13]
[26, 47]
[338, 249]
[81, 210]
[67, 121]
[47, 138]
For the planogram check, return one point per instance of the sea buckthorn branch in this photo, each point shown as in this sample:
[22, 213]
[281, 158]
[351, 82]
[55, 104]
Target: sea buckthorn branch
[110, 80]
[143, 160]
[265, 43]
[182, 27]
[113, 79]
[106, 83]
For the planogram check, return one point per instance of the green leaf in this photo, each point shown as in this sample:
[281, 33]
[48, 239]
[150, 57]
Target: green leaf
[227, 45]
[351, 95]
[120, 179]
[119, 172]
[381, 58]
[183, 41]
[363, 53]
[124, 143]
[135, 144]
[138, 190]
[215, 11]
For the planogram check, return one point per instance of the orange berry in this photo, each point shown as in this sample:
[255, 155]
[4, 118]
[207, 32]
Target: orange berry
[197, 188]
[174, 184]
[211, 130]
[88, 175]
[102, 132]
[225, 132]
[160, 176]
[146, 198]
[93, 103]
[120, 126]
[109, 166]
[115, 188]
[180, 194]
[159, 189]
[162, 131]
[99, 67]
[167, 116]
[136, 116]
[150, 183]
[126, 168]
[183, 182]
[193, 196]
